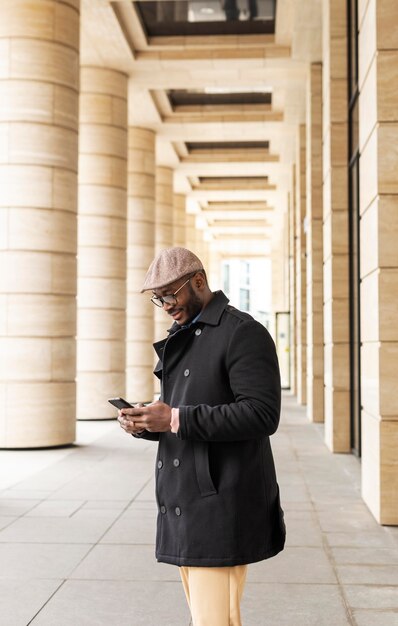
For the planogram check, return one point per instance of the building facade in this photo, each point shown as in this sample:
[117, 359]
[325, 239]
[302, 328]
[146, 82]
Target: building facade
[242, 130]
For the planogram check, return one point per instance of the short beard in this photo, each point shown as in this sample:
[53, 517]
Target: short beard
[195, 303]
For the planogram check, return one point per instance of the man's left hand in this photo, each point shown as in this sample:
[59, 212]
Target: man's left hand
[154, 417]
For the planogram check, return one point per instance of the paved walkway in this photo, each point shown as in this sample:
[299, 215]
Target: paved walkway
[77, 529]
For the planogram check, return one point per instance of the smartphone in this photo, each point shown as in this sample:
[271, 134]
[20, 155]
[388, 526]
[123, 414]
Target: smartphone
[120, 403]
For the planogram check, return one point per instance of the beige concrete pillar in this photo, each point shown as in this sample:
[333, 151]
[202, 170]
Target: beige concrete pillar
[314, 221]
[335, 227]
[179, 220]
[280, 326]
[213, 268]
[292, 285]
[102, 238]
[39, 52]
[190, 231]
[378, 140]
[279, 264]
[164, 211]
[301, 269]
[201, 247]
[140, 254]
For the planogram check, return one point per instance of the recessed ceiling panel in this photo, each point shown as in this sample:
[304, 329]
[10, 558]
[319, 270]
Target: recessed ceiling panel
[207, 146]
[171, 18]
[230, 182]
[186, 98]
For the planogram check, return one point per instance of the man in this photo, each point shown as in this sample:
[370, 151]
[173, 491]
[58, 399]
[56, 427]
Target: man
[216, 489]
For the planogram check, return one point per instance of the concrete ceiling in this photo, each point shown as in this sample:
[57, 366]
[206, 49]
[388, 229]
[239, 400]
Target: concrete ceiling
[111, 37]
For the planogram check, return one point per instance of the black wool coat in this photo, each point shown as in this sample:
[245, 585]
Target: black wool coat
[216, 489]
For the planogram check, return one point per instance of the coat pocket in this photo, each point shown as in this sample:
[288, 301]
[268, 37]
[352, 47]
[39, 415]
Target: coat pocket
[205, 482]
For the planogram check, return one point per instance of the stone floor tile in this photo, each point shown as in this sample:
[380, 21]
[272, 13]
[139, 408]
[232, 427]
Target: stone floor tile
[58, 529]
[359, 539]
[142, 505]
[302, 532]
[294, 493]
[290, 478]
[124, 562]
[48, 481]
[25, 494]
[297, 506]
[376, 618]
[103, 603]
[293, 605]
[368, 574]
[366, 556]
[371, 597]
[392, 531]
[22, 464]
[133, 527]
[105, 504]
[147, 493]
[108, 513]
[334, 520]
[35, 561]
[15, 508]
[21, 600]
[55, 508]
[101, 486]
[294, 565]
[6, 521]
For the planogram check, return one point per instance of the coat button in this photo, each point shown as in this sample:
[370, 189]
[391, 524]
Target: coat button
[186, 373]
[160, 464]
[176, 462]
[163, 509]
[178, 510]
[198, 332]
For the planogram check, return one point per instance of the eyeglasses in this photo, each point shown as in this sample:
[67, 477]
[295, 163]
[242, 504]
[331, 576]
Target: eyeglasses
[170, 299]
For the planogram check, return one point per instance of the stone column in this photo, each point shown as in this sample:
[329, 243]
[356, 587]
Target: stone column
[140, 254]
[378, 140]
[179, 220]
[39, 78]
[292, 286]
[213, 269]
[335, 227]
[279, 257]
[102, 237]
[314, 220]
[163, 234]
[301, 270]
[201, 247]
[280, 297]
[190, 231]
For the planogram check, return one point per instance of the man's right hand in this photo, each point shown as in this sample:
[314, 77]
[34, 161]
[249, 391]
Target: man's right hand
[126, 420]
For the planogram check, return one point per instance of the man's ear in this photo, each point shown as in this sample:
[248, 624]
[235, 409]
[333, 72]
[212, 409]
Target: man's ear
[199, 280]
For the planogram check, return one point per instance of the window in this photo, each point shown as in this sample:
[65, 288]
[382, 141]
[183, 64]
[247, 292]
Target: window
[226, 278]
[244, 299]
[354, 224]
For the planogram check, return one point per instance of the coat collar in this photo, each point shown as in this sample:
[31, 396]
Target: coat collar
[211, 314]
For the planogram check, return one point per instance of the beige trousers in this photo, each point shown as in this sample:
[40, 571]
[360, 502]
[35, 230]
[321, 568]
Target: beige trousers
[214, 594]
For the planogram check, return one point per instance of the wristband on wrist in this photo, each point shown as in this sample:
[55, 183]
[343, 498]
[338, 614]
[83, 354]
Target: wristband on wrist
[175, 420]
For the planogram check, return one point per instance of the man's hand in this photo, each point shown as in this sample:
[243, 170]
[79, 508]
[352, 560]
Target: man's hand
[127, 422]
[154, 418]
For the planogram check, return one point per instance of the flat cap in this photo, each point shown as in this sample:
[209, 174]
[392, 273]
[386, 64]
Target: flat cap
[170, 265]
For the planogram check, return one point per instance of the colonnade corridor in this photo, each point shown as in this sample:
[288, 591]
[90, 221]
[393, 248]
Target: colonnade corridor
[78, 524]
[262, 135]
